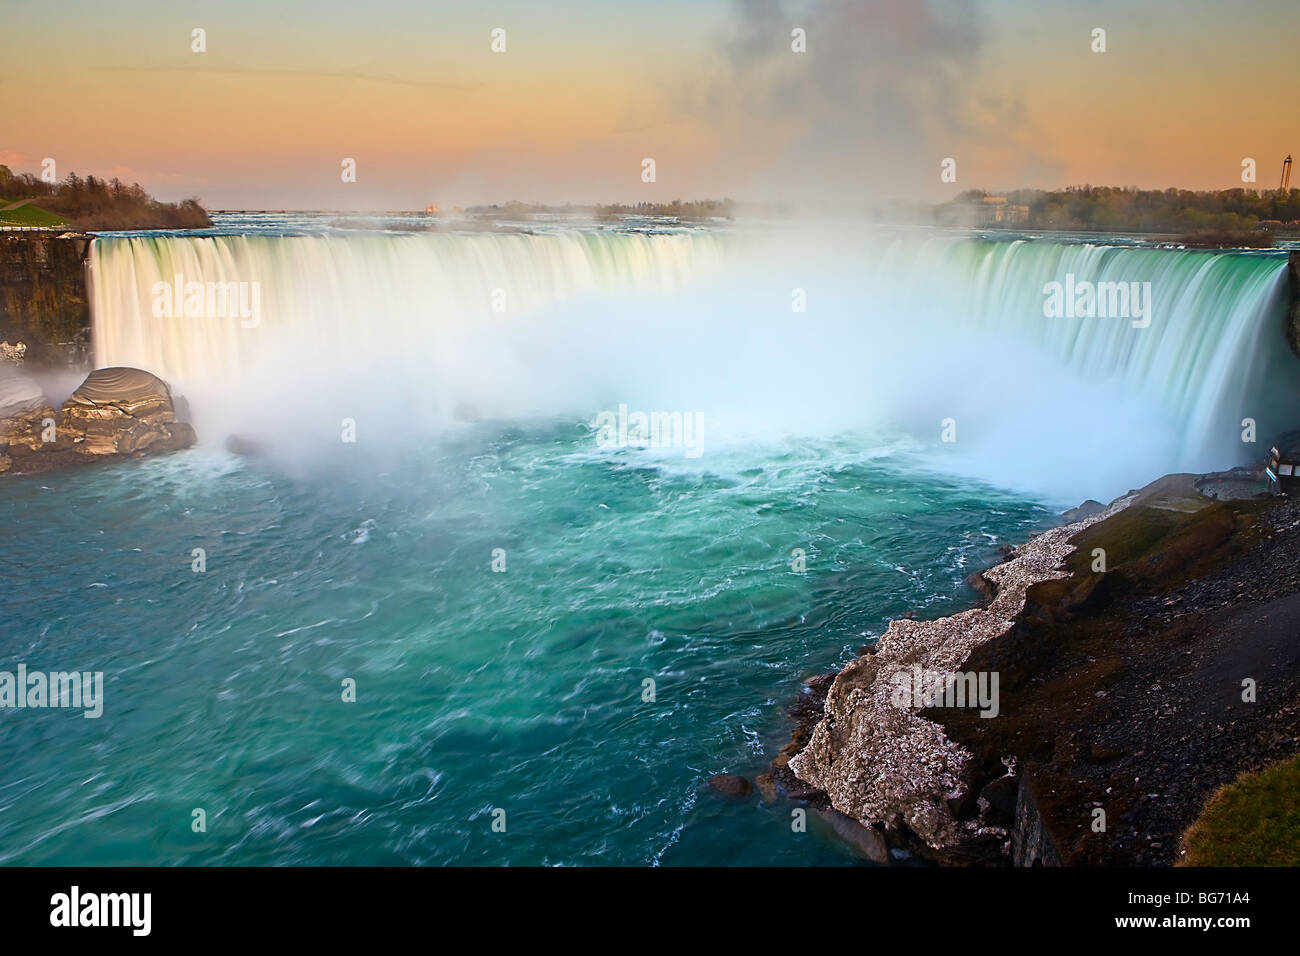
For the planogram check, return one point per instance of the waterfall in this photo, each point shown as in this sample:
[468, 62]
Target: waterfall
[355, 293]
[1213, 345]
[910, 329]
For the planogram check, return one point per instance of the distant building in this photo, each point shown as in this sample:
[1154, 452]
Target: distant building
[984, 212]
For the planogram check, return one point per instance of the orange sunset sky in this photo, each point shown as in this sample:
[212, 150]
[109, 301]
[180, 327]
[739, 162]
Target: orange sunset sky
[585, 90]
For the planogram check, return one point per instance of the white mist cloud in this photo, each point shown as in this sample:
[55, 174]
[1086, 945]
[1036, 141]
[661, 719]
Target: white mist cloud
[883, 93]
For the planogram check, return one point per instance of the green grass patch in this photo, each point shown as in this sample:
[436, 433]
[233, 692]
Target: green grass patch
[1254, 821]
[30, 215]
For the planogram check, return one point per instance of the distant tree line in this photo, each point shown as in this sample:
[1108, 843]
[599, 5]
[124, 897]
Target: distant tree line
[102, 204]
[689, 209]
[1123, 209]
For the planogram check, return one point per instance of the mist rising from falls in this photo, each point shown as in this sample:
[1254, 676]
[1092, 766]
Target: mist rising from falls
[397, 331]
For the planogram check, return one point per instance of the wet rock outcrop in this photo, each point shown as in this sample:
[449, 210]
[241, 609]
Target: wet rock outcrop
[116, 413]
[731, 785]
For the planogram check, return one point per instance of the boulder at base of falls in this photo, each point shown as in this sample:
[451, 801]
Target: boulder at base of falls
[867, 842]
[116, 413]
[730, 784]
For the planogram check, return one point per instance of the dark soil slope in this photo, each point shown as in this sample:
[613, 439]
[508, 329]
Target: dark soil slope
[1123, 690]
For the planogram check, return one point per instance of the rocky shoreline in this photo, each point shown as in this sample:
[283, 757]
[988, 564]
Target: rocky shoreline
[1120, 702]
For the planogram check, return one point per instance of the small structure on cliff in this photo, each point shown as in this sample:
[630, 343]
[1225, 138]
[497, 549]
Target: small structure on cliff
[1284, 462]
